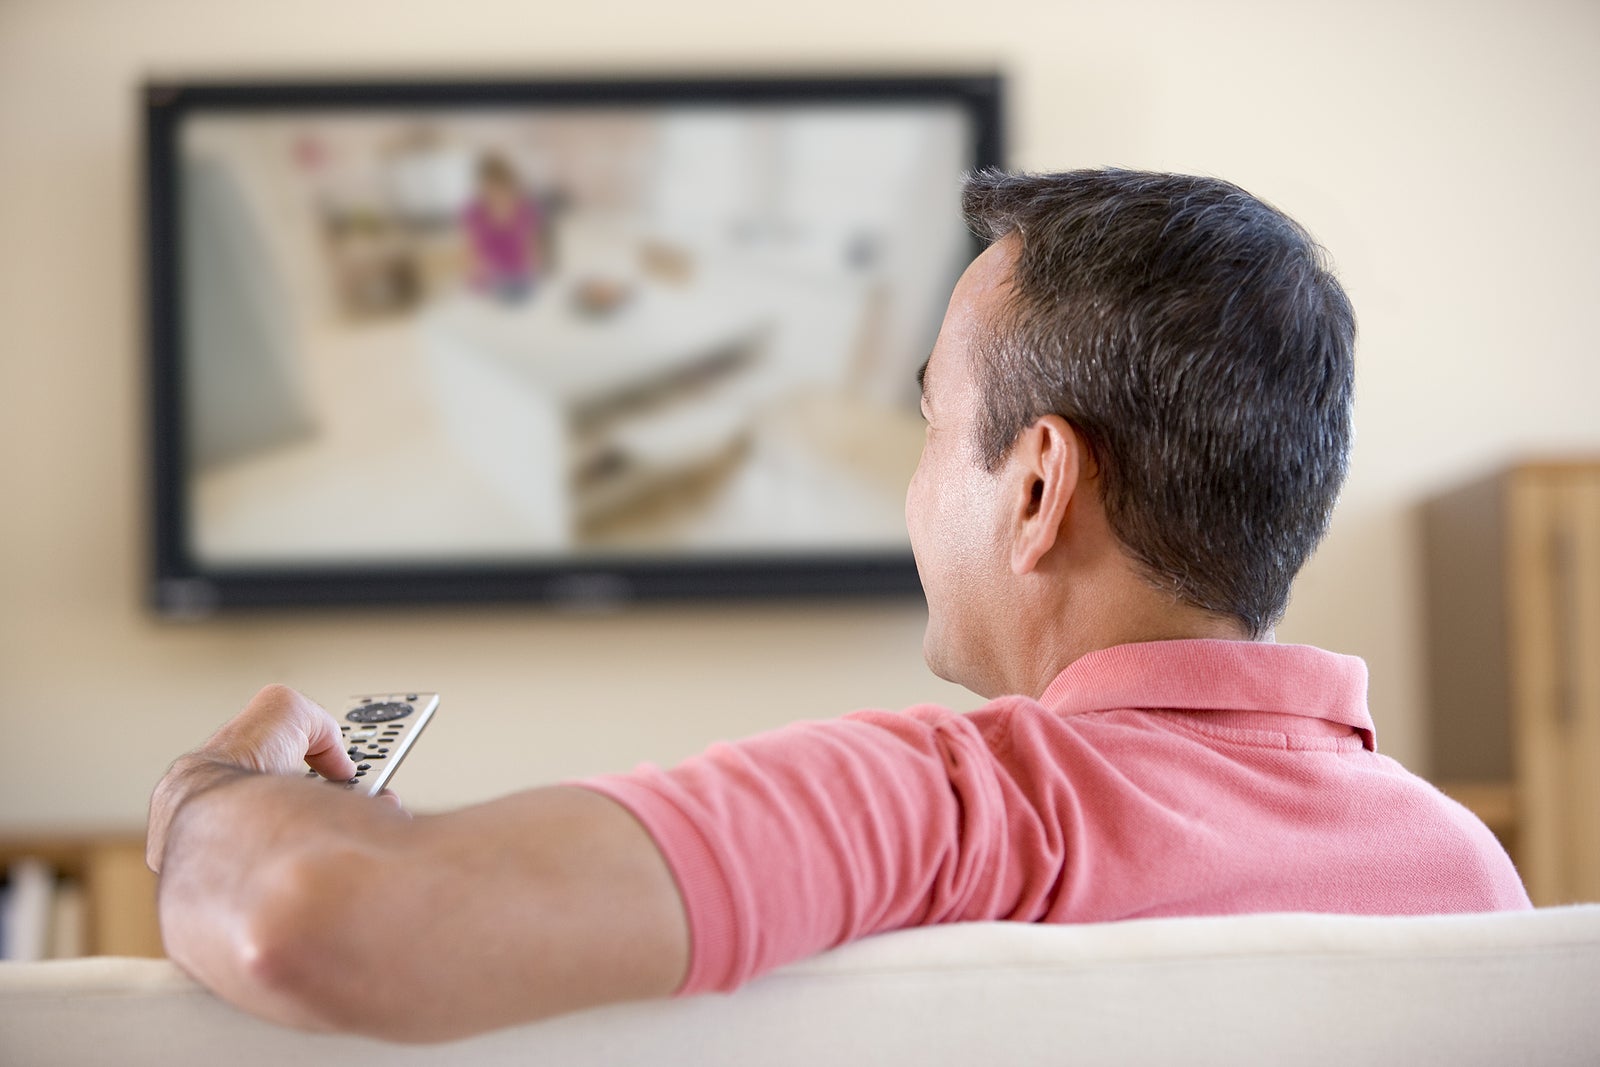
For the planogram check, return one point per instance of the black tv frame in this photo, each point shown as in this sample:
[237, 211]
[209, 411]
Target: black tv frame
[180, 587]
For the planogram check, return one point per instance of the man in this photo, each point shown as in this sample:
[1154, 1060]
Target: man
[1138, 417]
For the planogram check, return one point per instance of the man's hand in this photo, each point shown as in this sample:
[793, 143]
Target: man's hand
[278, 732]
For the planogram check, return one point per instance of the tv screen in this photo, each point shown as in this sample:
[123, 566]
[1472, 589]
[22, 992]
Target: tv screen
[546, 340]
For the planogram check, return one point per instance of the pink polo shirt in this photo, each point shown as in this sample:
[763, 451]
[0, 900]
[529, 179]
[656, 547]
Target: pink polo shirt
[1170, 778]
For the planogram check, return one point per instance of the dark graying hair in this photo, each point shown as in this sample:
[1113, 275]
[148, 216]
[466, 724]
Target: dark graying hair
[1196, 338]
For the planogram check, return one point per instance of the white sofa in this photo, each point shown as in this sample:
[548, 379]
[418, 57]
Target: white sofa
[1516, 988]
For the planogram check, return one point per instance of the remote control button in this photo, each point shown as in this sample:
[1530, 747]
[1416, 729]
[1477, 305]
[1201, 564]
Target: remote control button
[411, 696]
[386, 711]
[363, 767]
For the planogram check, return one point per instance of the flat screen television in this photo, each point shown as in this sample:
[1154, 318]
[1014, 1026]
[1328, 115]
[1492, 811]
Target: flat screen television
[595, 340]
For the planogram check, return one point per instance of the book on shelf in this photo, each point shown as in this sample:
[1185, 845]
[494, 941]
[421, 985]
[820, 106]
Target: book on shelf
[69, 921]
[30, 887]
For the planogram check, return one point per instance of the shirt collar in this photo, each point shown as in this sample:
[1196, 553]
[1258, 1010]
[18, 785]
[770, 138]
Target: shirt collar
[1216, 675]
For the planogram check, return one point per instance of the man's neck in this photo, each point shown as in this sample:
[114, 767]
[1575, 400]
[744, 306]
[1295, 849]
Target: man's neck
[1059, 631]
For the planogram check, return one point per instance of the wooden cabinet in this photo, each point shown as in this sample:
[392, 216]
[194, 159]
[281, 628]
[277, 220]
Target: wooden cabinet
[119, 892]
[1513, 593]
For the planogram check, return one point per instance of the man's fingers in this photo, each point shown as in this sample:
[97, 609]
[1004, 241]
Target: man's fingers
[325, 751]
[279, 732]
[394, 798]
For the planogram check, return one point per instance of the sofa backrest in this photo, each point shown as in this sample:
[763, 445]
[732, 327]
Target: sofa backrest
[1496, 989]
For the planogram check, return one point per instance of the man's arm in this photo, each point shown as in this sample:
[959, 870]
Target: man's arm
[321, 909]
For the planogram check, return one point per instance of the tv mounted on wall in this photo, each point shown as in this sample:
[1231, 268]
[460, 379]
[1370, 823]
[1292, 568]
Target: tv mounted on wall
[546, 340]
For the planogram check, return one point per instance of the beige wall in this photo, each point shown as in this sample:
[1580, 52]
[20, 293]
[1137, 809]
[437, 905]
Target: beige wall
[1446, 153]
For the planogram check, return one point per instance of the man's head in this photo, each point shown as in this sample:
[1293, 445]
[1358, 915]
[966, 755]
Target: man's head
[1196, 345]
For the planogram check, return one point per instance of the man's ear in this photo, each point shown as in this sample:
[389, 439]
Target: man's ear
[1047, 460]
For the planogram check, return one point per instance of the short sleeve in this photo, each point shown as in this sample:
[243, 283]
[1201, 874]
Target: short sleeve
[804, 838]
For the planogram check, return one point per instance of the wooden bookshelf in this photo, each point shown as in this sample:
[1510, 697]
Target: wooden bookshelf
[119, 890]
[1513, 596]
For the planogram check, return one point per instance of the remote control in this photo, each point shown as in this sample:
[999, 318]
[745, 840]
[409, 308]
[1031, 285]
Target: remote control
[379, 729]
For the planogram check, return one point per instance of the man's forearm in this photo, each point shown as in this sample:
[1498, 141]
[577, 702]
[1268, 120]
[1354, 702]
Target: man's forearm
[234, 865]
[295, 901]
